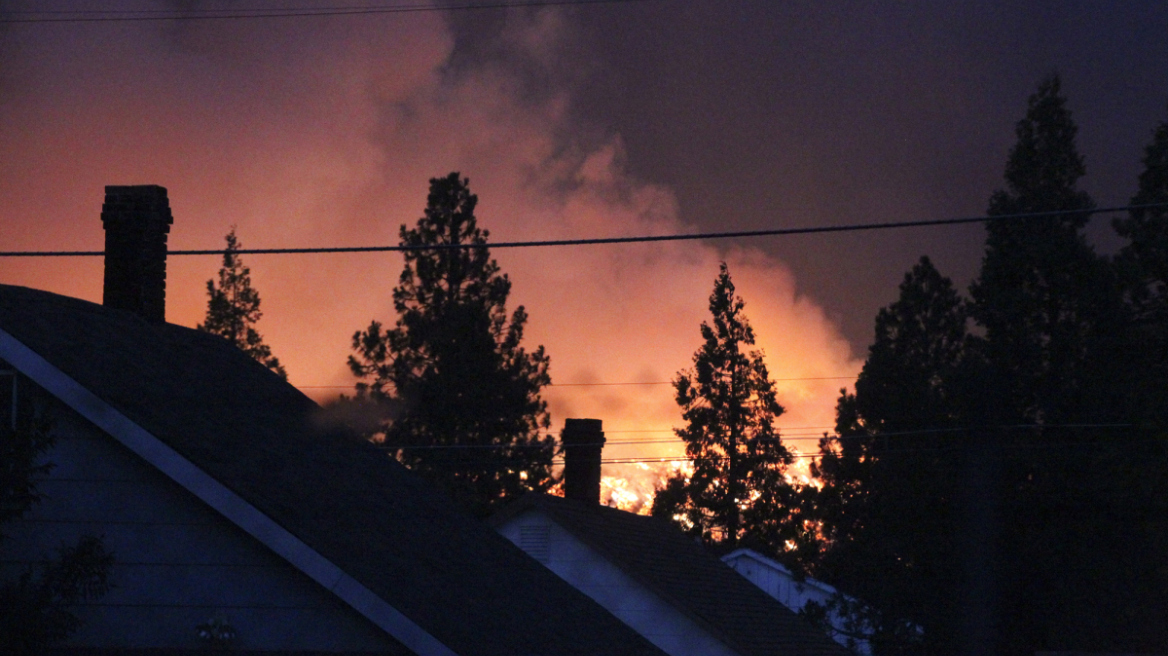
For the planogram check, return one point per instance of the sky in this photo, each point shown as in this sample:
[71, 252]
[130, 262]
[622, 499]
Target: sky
[570, 121]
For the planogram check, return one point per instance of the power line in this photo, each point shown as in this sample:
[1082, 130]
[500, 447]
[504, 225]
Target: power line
[1068, 450]
[925, 431]
[663, 382]
[150, 15]
[669, 382]
[776, 232]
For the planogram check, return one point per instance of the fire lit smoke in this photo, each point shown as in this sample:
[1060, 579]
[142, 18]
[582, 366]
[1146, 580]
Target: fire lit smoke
[325, 132]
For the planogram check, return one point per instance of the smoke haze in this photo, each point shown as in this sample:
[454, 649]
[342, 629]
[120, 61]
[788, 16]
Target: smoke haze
[321, 132]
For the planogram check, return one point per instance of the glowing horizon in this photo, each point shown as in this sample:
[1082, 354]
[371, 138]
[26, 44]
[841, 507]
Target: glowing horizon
[327, 134]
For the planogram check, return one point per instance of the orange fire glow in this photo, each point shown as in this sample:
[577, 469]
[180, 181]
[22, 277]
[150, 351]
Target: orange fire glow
[326, 133]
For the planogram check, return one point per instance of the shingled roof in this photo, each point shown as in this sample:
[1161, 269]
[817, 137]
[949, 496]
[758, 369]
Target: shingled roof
[681, 571]
[452, 576]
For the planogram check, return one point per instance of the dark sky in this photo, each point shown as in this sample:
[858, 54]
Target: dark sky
[762, 114]
[627, 118]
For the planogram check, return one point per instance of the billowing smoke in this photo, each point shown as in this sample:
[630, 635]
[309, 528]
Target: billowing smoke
[325, 132]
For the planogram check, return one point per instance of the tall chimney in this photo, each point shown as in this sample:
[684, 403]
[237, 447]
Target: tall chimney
[583, 440]
[137, 220]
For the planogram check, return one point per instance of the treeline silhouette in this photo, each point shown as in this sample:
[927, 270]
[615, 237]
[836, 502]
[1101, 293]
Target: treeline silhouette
[1003, 486]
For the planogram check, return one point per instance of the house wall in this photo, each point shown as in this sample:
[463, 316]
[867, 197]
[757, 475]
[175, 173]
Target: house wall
[178, 563]
[588, 571]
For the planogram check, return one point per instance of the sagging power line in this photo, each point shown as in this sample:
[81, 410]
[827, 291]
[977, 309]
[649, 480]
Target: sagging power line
[154, 15]
[775, 232]
[655, 382]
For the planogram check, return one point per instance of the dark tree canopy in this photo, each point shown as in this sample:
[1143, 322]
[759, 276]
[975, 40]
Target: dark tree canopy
[1042, 294]
[455, 362]
[917, 349]
[737, 491]
[233, 308]
[1143, 270]
[888, 498]
[1006, 490]
[1144, 260]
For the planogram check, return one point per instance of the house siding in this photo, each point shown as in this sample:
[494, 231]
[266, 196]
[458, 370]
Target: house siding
[637, 606]
[178, 563]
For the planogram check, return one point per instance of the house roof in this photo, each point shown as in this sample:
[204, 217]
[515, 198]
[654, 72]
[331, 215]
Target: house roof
[255, 434]
[778, 567]
[681, 571]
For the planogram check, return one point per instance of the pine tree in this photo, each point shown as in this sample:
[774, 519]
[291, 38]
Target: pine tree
[983, 498]
[887, 500]
[1145, 258]
[469, 392]
[1142, 265]
[737, 491]
[1042, 292]
[233, 309]
[1055, 355]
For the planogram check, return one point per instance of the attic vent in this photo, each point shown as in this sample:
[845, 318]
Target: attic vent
[534, 541]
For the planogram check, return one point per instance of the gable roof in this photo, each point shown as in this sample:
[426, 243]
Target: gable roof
[682, 572]
[775, 565]
[329, 500]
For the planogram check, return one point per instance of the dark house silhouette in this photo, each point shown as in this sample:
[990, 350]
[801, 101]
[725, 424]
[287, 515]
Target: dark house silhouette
[223, 498]
[662, 583]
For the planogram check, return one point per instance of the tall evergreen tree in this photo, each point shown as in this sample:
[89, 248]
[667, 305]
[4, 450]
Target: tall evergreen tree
[888, 498]
[233, 309]
[975, 502]
[470, 393]
[737, 491]
[1043, 294]
[1049, 499]
[1143, 269]
[1051, 358]
[1144, 259]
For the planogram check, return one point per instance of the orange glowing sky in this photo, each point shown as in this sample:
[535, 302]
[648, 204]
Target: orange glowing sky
[310, 132]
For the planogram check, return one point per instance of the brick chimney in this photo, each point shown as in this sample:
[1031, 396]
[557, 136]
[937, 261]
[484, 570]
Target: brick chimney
[137, 220]
[583, 441]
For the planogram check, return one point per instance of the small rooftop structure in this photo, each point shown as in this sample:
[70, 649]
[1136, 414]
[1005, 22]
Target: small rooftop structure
[793, 592]
[658, 580]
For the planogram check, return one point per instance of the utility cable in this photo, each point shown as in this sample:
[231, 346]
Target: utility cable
[776, 232]
[446, 447]
[655, 382]
[144, 15]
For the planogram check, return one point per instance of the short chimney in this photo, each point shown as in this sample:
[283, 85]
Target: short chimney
[137, 220]
[583, 441]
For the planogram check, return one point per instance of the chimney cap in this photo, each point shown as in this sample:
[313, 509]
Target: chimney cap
[576, 428]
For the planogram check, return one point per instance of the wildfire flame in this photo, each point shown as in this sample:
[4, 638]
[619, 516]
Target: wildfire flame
[631, 486]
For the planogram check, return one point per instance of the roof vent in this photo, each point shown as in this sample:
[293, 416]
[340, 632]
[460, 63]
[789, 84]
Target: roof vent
[535, 541]
[137, 220]
[583, 441]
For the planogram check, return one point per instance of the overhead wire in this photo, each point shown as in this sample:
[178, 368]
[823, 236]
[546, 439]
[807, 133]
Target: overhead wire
[154, 15]
[774, 232]
[926, 431]
[1005, 449]
[663, 382]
